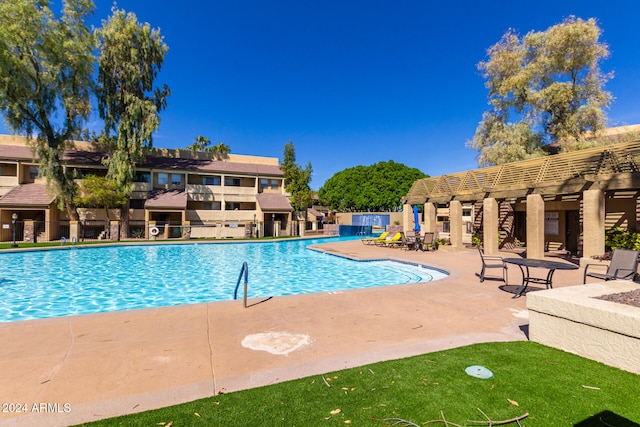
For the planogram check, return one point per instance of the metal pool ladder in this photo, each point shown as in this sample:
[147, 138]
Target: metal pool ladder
[244, 270]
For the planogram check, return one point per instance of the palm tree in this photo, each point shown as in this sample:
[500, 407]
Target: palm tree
[220, 151]
[200, 143]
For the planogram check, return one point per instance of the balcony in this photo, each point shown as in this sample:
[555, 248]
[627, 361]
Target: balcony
[207, 216]
[8, 181]
[142, 187]
[207, 193]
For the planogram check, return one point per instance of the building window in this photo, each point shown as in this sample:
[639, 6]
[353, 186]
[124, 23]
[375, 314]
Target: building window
[466, 212]
[212, 206]
[231, 182]
[33, 172]
[176, 179]
[143, 177]
[232, 206]
[163, 178]
[272, 184]
[211, 180]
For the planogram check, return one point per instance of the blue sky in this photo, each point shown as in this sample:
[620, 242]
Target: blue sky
[355, 82]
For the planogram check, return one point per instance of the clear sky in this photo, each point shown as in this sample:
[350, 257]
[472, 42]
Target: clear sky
[355, 82]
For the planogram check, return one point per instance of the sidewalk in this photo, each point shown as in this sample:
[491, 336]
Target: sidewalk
[89, 367]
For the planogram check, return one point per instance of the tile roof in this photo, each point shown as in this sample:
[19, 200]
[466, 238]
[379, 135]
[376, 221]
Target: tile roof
[16, 152]
[211, 166]
[273, 202]
[314, 212]
[27, 195]
[173, 199]
[80, 157]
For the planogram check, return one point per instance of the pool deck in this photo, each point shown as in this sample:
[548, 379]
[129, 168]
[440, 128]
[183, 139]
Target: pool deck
[81, 368]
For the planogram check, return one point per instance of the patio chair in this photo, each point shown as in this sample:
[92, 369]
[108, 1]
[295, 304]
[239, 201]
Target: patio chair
[489, 261]
[429, 240]
[624, 265]
[409, 242]
[373, 240]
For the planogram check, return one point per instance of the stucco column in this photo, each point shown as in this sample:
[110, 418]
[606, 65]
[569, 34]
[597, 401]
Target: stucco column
[186, 230]
[490, 214]
[429, 217]
[535, 226]
[74, 231]
[593, 213]
[114, 230]
[455, 225]
[29, 233]
[407, 217]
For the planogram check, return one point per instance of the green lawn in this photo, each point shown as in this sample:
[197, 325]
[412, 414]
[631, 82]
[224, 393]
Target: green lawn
[555, 388]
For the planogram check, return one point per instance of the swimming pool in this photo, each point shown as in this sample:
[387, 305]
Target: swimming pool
[81, 280]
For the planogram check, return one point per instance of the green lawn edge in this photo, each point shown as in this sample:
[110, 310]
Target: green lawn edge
[553, 387]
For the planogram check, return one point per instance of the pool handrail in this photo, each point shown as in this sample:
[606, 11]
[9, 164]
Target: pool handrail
[244, 270]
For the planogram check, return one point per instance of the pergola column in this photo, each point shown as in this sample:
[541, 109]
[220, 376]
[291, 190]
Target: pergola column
[430, 217]
[490, 215]
[455, 224]
[407, 217]
[535, 226]
[593, 213]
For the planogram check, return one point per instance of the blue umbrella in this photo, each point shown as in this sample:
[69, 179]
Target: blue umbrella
[416, 219]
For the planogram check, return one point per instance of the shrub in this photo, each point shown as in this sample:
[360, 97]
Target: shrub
[619, 238]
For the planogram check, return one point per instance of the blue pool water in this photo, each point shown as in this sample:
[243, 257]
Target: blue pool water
[82, 280]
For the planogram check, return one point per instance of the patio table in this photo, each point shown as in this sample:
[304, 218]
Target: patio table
[526, 263]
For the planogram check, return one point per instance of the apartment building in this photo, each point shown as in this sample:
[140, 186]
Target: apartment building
[177, 194]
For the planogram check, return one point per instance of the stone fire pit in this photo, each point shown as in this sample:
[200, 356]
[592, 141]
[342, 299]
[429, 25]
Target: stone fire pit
[574, 319]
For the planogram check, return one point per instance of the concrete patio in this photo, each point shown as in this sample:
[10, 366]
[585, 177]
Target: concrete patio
[89, 367]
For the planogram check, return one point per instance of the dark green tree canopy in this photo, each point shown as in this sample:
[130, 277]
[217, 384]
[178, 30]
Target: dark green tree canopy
[296, 179]
[544, 87]
[379, 187]
[46, 67]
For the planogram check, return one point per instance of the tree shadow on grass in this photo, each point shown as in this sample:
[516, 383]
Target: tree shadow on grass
[606, 418]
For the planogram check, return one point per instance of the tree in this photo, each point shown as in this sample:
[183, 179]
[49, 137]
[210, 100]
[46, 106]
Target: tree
[46, 66]
[100, 192]
[296, 179]
[546, 87]
[131, 56]
[220, 151]
[200, 143]
[378, 188]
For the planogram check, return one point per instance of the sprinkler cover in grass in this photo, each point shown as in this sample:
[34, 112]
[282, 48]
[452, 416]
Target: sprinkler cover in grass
[479, 372]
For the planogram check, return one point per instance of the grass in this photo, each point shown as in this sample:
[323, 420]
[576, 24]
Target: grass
[555, 388]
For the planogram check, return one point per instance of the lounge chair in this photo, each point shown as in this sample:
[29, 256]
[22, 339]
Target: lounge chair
[489, 261]
[373, 240]
[393, 241]
[624, 265]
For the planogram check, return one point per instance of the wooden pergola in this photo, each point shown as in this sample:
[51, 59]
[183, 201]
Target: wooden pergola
[589, 175]
[612, 167]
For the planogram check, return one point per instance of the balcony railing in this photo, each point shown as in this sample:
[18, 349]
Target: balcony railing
[8, 181]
